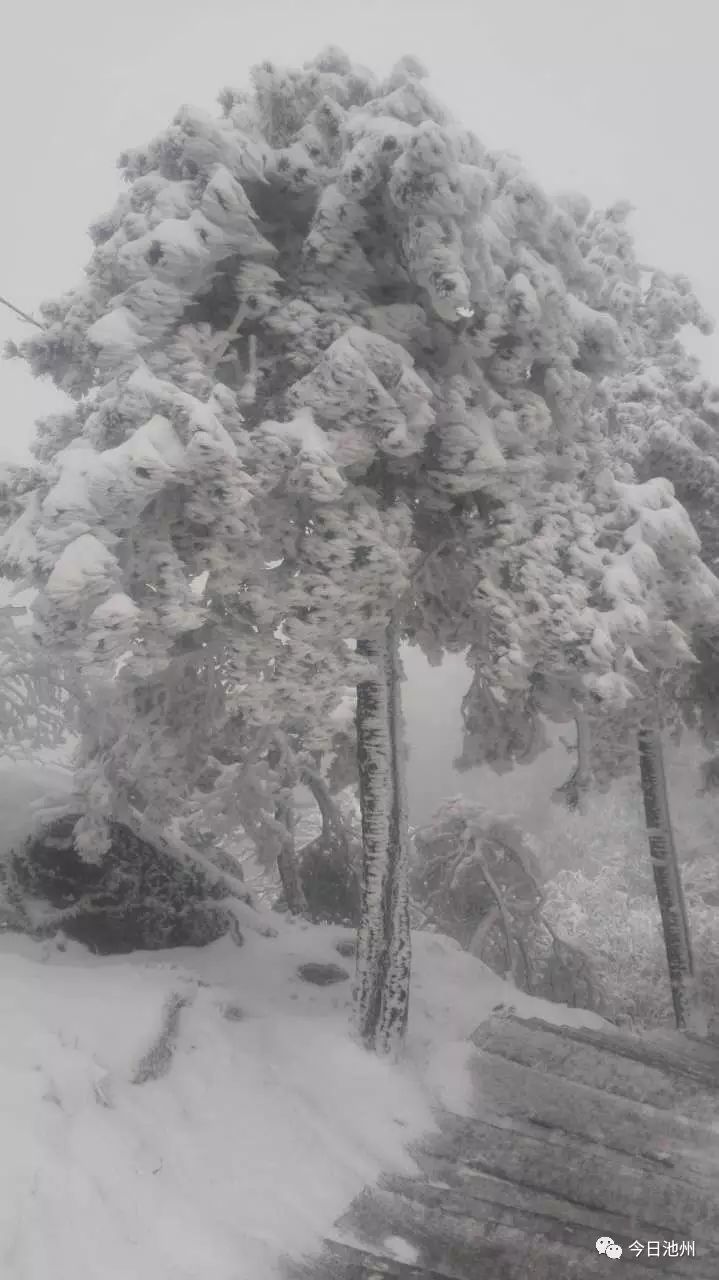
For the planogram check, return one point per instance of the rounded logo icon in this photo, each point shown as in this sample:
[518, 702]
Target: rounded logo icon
[606, 1245]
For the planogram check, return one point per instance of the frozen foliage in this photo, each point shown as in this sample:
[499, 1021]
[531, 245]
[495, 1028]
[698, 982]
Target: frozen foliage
[353, 371]
[471, 863]
[140, 898]
[342, 252]
[622, 933]
[35, 717]
[661, 421]
[600, 894]
[597, 610]
[612, 584]
[620, 614]
[477, 877]
[623, 936]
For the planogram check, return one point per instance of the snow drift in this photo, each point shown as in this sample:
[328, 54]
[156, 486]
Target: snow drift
[205, 1112]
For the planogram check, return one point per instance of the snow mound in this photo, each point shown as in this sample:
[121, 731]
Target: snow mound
[205, 1112]
[159, 1128]
[452, 993]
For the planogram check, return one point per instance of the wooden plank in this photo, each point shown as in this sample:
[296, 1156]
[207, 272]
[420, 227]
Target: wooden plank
[577, 1133]
[513, 1089]
[578, 1170]
[449, 1178]
[671, 1052]
[490, 1216]
[463, 1249]
[346, 1262]
[538, 1046]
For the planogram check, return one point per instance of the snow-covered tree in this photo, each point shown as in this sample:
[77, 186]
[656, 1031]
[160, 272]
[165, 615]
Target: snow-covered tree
[209, 574]
[600, 892]
[155, 576]
[459, 265]
[615, 642]
[321, 340]
[668, 422]
[35, 711]
[609, 643]
[663, 423]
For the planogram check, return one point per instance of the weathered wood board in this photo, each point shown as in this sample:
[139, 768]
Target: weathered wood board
[573, 1134]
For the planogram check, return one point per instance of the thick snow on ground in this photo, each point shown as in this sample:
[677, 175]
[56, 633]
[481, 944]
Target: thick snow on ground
[240, 1135]
[452, 993]
[264, 1122]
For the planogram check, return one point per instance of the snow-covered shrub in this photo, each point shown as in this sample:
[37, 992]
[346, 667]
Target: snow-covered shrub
[35, 712]
[601, 895]
[141, 898]
[612, 824]
[476, 877]
[470, 862]
[623, 935]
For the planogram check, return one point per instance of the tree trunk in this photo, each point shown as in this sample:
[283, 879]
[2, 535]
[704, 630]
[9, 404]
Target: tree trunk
[287, 864]
[292, 889]
[511, 944]
[278, 757]
[328, 865]
[667, 879]
[383, 946]
[584, 759]
[575, 790]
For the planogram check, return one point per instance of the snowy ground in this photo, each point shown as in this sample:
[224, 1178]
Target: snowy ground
[264, 1121]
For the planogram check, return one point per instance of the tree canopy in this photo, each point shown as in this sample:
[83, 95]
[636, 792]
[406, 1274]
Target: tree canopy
[341, 376]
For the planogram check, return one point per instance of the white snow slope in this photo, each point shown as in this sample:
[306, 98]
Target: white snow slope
[267, 1120]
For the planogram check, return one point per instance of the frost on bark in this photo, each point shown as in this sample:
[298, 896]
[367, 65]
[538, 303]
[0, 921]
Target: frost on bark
[575, 791]
[667, 879]
[329, 865]
[287, 864]
[384, 945]
[290, 878]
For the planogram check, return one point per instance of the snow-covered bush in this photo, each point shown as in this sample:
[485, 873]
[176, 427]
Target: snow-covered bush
[611, 824]
[623, 934]
[469, 862]
[601, 895]
[621, 930]
[140, 898]
[476, 877]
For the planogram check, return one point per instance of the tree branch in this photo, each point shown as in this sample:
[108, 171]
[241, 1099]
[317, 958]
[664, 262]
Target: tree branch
[22, 314]
[504, 914]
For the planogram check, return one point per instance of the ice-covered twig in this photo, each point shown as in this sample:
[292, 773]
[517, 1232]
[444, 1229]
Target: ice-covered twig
[22, 314]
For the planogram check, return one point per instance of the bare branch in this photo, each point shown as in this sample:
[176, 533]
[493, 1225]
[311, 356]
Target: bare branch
[501, 907]
[22, 314]
[226, 337]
